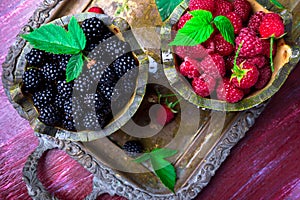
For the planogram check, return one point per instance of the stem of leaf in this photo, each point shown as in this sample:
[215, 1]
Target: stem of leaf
[271, 54]
[237, 55]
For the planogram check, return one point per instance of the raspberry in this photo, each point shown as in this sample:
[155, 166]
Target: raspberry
[52, 72]
[213, 65]
[32, 79]
[242, 8]
[223, 7]
[252, 45]
[50, 116]
[271, 26]
[226, 91]
[65, 89]
[223, 47]
[183, 19]
[266, 47]
[255, 20]
[96, 9]
[259, 61]
[236, 21]
[208, 5]
[164, 115]
[124, 64]
[264, 77]
[189, 68]
[133, 148]
[43, 98]
[195, 52]
[244, 76]
[36, 57]
[204, 85]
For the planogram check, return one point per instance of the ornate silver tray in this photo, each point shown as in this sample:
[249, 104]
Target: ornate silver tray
[203, 141]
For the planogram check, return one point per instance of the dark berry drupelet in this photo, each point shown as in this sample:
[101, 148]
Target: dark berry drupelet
[82, 84]
[124, 64]
[107, 83]
[97, 69]
[65, 89]
[133, 148]
[104, 115]
[50, 116]
[68, 123]
[90, 121]
[115, 48]
[32, 79]
[36, 57]
[93, 28]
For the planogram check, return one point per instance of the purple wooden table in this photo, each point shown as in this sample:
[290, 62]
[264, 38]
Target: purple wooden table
[264, 165]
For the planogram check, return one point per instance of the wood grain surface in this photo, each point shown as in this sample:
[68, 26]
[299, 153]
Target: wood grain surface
[264, 165]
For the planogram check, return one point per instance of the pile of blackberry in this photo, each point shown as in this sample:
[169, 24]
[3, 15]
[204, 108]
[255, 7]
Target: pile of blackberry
[103, 88]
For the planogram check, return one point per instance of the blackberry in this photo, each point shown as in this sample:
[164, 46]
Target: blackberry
[104, 115]
[94, 29]
[43, 98]
[107, 83]
[52, 72]
[68, 111]
[115, 48]
[133, 148]
[59, 102]
[65, 89]
[124, 64]
[90, 121]
[32, 79]
[96, 70]
[36, 57]
[50, 116]
[82, 84]
[100, 101]
[68, 123]
[96, 43]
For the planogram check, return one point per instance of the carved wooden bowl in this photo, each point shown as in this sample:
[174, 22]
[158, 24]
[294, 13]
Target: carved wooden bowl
[285, 60]
[119, 119]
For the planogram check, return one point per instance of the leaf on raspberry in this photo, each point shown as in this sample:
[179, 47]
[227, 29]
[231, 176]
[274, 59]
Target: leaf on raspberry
[225, 27]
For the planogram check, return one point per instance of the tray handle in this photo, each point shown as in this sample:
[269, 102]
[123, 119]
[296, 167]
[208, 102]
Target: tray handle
[35, 188]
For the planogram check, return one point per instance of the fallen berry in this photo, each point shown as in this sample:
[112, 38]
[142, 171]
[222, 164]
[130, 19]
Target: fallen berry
[96, 10]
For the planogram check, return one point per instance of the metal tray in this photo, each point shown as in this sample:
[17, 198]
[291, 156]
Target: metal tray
[204, 140]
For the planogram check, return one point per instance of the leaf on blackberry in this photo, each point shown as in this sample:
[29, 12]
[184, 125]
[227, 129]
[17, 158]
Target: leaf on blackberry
[74, 67]
[77, 33]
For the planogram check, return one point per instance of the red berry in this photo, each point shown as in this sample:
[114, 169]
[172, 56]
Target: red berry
[208, 5]
[213, 65]
[259, 61]
[96, 10]
[223, 7]
[189, 68]
[252, 45]
[236, 21]
[264, 77]
[271, 26]
[209, 44]
[223, 47]
[203, 85]
[226, 91]
[183, 19]
[244, 76]
[242, 8]
[164, 115]
[266, 47]
[255, 20]
[195, 52]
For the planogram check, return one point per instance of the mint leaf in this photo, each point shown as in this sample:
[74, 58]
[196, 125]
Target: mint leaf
[197, 30]
[277, 4]
[163, 153]
[165, 172]
[76, 33]
[142, 158]
[74, 67]
[225, 27]
[166, 7]
[52, 38]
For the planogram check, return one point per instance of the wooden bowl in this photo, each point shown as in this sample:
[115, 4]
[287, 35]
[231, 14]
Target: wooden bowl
[31, 113]
[284, 61]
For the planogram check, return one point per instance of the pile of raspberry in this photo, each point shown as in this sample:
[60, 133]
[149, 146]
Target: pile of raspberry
[107, 81]
[209, 65]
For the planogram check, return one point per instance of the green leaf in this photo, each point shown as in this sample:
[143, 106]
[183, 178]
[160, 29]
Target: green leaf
[197, 30]
[74, 67]
[142, 158]
[165, 172]
[225, 27]
[163, 153]
[166, 7]
[52, 38]
[76, 33]
[277, 4]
